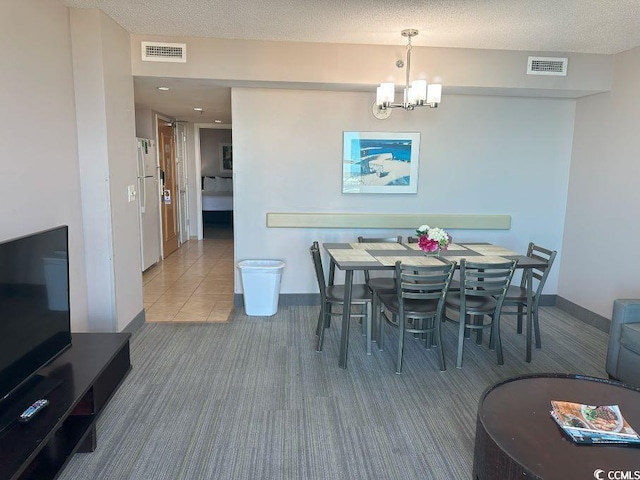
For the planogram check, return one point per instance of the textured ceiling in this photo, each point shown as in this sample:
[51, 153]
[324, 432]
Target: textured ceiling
[586, 26]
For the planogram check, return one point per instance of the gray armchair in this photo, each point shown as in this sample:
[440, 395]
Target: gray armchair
[623, 356]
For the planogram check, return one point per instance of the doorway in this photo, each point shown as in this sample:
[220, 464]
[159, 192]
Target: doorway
[168, 177]
[215, 207]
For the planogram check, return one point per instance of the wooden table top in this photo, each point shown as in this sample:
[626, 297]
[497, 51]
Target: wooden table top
[513, 419]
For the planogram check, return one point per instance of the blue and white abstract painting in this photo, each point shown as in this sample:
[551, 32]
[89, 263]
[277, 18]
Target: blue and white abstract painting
[379, 162]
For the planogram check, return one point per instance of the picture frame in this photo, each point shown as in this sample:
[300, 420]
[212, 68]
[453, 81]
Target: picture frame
[380, 162]
[226, 158]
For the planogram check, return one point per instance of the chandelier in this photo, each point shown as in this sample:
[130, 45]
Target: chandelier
[416, 93]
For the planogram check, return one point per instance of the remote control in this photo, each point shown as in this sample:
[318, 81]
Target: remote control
[31, 412]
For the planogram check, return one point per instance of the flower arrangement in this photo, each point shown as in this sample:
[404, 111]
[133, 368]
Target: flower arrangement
[432, 239]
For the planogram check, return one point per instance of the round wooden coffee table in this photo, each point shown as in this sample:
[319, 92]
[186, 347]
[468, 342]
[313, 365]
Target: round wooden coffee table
[516, 437]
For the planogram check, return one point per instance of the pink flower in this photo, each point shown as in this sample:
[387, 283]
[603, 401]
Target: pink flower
[427, 245]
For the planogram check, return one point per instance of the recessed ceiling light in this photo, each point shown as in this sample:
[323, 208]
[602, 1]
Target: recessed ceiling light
[217, 121]
[198, 109]
[164, 89]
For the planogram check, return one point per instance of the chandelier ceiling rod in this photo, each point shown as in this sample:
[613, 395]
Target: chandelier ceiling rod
[408, 34]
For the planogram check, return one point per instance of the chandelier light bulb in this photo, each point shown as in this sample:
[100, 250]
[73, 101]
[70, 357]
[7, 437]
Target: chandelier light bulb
[419, 88]
[385, 94]
[434, 94]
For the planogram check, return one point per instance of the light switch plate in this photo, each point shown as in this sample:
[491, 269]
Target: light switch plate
[131, 192]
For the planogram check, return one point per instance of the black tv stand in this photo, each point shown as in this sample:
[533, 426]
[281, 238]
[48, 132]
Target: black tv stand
[84, 378]
[37, 387]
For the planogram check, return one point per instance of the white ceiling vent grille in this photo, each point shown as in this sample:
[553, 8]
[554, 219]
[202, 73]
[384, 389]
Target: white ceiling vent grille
[164, 52]
[547, 66]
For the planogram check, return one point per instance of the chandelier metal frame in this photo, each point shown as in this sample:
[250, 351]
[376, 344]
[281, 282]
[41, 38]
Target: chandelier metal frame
[416, 94]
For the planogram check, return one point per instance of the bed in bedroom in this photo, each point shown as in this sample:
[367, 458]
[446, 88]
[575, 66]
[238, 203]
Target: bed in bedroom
[217, 199]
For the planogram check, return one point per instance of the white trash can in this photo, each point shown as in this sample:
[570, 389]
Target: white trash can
[261, 285]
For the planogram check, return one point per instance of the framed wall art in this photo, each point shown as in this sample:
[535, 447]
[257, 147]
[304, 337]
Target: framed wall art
[226, 158]
[380, 162]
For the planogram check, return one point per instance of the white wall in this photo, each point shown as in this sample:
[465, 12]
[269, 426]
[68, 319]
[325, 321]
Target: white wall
[210, 140]
[39, 144]
[107, 156]
[600, 255]
[122, 170]
[193, 181]
[478, 155]
[145, 123]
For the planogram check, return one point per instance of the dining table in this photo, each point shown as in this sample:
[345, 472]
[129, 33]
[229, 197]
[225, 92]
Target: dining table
[350, 257]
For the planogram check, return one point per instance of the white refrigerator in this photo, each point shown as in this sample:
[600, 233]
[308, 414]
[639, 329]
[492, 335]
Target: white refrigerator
[149, 203]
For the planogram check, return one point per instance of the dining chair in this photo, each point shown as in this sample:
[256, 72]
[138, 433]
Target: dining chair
[379, 284]
[517, 295]
[483, 287]
[331, 295]
[417, 306]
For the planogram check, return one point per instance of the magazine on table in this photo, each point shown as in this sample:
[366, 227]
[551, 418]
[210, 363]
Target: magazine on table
[591, 424]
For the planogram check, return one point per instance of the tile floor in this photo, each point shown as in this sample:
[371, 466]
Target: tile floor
[195, 283]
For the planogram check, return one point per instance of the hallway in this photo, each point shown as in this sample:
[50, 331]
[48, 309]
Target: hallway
[195, 283]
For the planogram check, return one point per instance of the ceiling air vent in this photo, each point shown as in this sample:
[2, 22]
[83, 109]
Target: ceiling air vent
[164, 52]
[547, 66]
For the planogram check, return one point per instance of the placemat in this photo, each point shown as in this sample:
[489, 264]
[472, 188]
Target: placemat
[346, 255]
[491, 250]
[451, 247]
[410, 260]
[477, 258]
[378, 246]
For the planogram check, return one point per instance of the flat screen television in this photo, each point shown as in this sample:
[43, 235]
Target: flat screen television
[35, 322]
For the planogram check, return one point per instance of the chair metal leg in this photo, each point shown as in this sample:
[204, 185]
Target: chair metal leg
[322, 323]
[428, 340]
[536, 327]
[368, 321]
[477, 320]
[496, 336]
[461, 336]
[529, 304]
[375, 316]
[401, 321]
[467, 331]
[381, 322]
[519, 317]
[437, 324]
[492, 337]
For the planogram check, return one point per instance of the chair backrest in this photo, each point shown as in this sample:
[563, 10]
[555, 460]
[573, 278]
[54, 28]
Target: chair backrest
[419, 282]
[486, 279]
[397, 239]
[539, 274]
[317, 265]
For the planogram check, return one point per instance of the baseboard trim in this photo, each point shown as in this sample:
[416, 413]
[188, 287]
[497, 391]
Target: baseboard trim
[285, 299]
[584, 315]
[548, 300]
[135, 324]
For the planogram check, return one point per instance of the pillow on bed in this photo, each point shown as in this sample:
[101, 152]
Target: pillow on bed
[210, 184]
